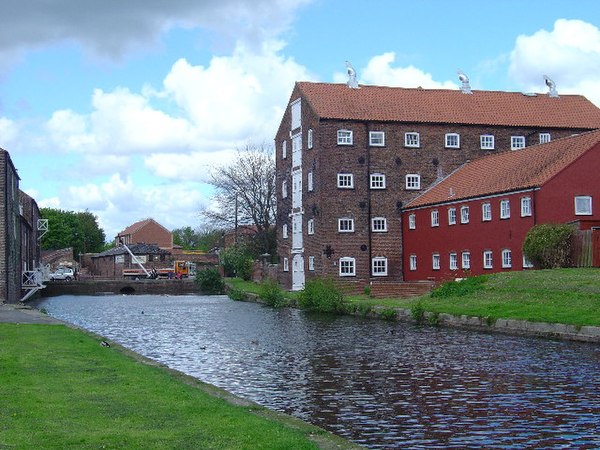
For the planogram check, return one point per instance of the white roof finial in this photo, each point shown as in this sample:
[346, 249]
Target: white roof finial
[551, 87]
[352, 81]
[466, 87]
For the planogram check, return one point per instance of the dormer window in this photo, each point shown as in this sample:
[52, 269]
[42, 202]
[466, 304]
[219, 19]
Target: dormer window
[344, 137]
[517, 142]
[412, 140]
[487, 141]
[452, 140]
[545, 138]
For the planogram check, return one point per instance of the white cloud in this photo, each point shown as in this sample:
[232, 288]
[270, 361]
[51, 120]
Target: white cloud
[569, 54]
[194, 166]
[379, 71]
[8, 133]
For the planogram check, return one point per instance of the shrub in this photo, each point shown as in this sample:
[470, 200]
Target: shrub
[459, 288]
[367, 290]
[322, 295]
[236, 294]
[417, 312]
[271, 293]
[237, 262]
[210, 281]
[549, 246]
[388, 314]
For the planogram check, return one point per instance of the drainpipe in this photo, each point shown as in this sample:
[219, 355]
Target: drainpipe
[369, 231]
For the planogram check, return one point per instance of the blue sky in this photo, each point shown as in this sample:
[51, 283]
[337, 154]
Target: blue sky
[124, 108]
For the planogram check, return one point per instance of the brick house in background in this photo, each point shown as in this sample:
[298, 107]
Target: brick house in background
[148, 231]
[476, 219]
[348, 160]
[111, 263]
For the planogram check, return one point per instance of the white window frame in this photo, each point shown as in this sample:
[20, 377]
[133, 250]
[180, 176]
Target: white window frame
[526, 263]
[345, 225]
[486, 141]
[284, 150]
[379, 266]
[377, 138]
[412, 262]
[344, 137]
[413, 181]
[435, 218]
[309, 181]
[451, 216]
[583, 205]
[453, 261]
[464, 214]
[345, 181]
[377, 181]
[435, 261]
[506, 258]
[347, 267]
[486, 212]
[449, 137]
[505, 209]
[412, 221]
[309, 139]
[284, 231]
[286, 265]
[517, 142]
[412, 139]
[466, 260]
[284, 190]
[488, 259]
[379, 225]
[311, 263]
[526, 207]
[310, 226]
[545, 138]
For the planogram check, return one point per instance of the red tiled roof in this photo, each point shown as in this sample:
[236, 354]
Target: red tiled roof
[509, 171]
[380, 103]
[137, 226]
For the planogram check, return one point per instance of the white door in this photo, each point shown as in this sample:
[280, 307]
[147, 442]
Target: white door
[298, 273]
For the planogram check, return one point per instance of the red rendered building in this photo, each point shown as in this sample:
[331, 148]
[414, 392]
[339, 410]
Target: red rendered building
[475, 220]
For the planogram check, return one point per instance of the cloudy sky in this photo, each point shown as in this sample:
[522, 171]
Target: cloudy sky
[123, 107]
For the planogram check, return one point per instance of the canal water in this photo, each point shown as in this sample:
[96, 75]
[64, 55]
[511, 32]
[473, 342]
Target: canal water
[380, 384]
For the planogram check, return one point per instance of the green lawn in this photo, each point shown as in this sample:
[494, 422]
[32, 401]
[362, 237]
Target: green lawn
[59, 388]
[569, 296]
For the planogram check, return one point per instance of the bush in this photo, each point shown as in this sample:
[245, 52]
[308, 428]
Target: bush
[237, 262]
[210, 281]
[459, 288]
[549, 246]
[236, 294]
[271, 293]
[322, 295]
[388, 314]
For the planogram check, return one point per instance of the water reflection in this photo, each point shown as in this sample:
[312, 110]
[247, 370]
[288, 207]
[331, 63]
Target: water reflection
[381, 384]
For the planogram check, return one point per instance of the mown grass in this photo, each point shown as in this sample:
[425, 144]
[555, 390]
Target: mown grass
[61, 389]
[569, 296]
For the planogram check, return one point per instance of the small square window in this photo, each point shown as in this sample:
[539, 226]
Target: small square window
[377, 181]
[412, 140]
[487, 141]
[487, 259]
[346, 225]
[452, 140]
[310, 226]
[379, 224]
[344, 137]
[412, 262]
[505, 209]
[486, 212]
[453, 261]
[413, 181]
[583, 205]
[435, 261]
[379, 266]
[517, 142]
[525, 206]
[376, 138]
[506, 259]
[412, 222]
[347, 267]
[345, 181]
[545, 138]
[466, 260]
[464, 214]
[309, 139]
[311, 263]
[452, 216]
[435, 218]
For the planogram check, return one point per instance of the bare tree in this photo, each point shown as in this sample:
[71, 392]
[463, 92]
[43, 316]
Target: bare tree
[245, 195]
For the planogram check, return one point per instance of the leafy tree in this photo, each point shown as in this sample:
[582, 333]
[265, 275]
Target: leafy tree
[245, 194]
[79, 230]
[237, 262]
[199, 239]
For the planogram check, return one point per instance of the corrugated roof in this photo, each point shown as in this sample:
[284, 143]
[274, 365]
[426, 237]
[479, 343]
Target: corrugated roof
[509, 171]
[394, 104]
[136, 249]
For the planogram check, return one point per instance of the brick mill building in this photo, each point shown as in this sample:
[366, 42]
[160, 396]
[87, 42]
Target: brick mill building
[348, 160]
[475, 220]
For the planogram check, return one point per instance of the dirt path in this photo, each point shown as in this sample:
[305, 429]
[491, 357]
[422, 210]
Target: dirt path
[17, 313]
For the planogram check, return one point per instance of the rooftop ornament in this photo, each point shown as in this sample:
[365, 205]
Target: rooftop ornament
[352, 81]
[465, 87]
[551, 87]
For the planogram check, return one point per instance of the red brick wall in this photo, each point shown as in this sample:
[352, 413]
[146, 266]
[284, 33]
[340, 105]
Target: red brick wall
[152, 233]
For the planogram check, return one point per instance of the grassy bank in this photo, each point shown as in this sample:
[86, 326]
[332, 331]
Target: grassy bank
[61, 389]
[569, 296]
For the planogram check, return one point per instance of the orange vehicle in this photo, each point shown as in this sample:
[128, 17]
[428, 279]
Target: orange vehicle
[180, 269]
